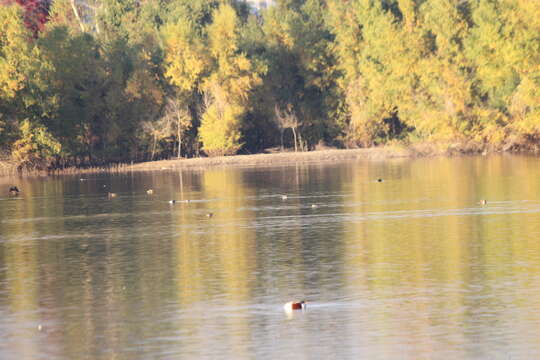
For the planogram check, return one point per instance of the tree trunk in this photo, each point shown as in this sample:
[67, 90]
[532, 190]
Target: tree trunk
[153, 148]
[295, 142]
[281, 133]
[179, 134]
[179, 148]
[301, 142]
[77, 16]
[96, 17]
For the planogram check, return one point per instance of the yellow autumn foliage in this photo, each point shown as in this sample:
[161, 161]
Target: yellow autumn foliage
[14, 50]
[186, 59]
[36, 148]
[227, 88]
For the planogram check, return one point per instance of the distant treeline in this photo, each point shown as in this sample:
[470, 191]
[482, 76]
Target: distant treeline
[99, 81]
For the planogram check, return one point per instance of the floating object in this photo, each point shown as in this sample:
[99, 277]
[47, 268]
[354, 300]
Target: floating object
[314, 206]
[111, 195]
[483, 202]
[13, 190]
[295, 305]
[283, 197]
[172, 201]
[150, 191]
[209, 215]
[379, 180]
[82, 179]
[40, 327]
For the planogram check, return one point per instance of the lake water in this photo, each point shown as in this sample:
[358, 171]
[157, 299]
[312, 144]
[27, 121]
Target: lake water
[412, 267]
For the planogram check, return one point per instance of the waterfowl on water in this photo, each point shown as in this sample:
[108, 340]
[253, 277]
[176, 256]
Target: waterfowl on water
[13, 190]
[295, 305]
[209, 215]
[150, 191]
[111, 195]
[314, 206]
[379, 180]
[483, 202]
[283, 197]
[172, 201]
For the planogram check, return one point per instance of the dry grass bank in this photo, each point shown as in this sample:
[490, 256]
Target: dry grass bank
[375, 153]
[333, 155]
[7, 168]
[275, 159]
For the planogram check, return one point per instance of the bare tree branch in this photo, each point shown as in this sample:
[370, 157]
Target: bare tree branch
[76, 13]
[287, 119]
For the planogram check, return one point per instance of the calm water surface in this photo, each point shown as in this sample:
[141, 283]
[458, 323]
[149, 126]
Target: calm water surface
[408, 268]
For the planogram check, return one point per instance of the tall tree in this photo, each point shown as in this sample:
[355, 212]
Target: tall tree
[227, 88]
[444, 98]
[376, 62]
[16, 59]
[504, 47]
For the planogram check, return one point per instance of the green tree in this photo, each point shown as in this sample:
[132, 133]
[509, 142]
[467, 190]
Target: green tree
[227, 88]
[14, 51]
[505, 48]
[302, 66]
[444, 100]
[377, 55]
[67, 97]
[197, 12]
[36, 148]
[14, 56]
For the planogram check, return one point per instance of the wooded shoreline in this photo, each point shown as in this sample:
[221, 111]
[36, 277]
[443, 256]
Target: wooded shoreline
[134, 81]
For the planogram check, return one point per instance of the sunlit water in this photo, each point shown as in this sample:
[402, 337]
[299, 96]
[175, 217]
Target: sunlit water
[412, 267]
